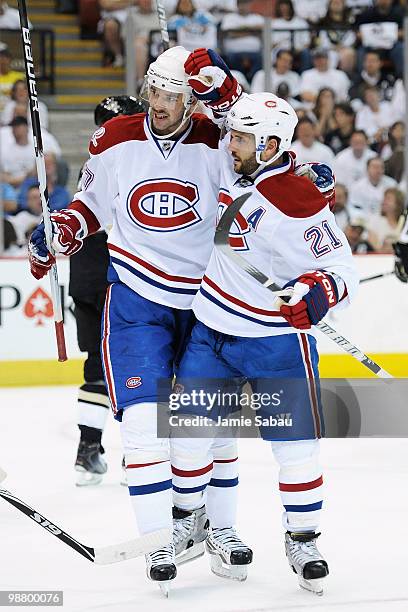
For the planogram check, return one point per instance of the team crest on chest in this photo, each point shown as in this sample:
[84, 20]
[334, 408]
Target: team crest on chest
[163, 205]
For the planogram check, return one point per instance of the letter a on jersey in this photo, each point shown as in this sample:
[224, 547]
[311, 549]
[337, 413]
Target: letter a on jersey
[163, 205]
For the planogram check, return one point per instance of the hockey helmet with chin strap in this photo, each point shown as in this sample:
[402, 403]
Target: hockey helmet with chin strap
[264, 115]
[167, 74]
[113, 106]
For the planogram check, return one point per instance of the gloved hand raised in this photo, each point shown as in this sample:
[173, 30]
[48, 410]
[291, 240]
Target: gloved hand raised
[211, 80]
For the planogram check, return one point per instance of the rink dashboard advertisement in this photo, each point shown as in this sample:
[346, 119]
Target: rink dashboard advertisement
[376, 322]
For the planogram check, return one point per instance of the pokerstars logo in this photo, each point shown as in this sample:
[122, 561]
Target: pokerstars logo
[38, 306]
[163, 205]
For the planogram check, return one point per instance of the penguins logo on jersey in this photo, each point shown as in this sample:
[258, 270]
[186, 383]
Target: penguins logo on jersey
[163, 205]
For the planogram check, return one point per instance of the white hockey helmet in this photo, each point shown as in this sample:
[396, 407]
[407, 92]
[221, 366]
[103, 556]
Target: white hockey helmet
[264, 115]
[167, 73]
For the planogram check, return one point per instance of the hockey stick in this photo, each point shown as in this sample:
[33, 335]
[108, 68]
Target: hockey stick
[370, 278]
[161, 13]
[39, 160]
[102, 556]
[221, 241]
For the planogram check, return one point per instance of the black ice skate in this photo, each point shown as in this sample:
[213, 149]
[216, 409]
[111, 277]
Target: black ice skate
[90, 464]
[230, 557]
[305, 560]
[161, 567]
[190, 530]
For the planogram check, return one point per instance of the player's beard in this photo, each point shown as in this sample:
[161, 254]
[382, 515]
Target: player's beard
[246, 166]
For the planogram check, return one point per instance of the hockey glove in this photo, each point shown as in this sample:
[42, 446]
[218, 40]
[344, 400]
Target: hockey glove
[322, 176]
[313, 294]
[211, 80]
[68, 231]
[401, 261]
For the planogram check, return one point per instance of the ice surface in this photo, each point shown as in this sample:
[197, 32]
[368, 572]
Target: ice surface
[364, 526]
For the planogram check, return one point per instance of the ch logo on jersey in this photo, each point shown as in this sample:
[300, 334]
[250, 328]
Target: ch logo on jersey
[163, 205]
[241, 225]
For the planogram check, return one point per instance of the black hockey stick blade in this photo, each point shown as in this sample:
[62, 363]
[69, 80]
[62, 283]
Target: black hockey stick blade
[221, 242]
[102, 556]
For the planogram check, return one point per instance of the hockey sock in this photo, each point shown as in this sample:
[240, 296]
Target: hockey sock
[300, 484]
[90, 434]
[222, 491]
[192, 467]
[93, 405]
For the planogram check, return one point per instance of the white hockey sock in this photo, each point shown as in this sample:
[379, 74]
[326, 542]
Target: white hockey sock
[300, 483]
[192, 467]
[93, 405]
[148, 469]
[222, 491]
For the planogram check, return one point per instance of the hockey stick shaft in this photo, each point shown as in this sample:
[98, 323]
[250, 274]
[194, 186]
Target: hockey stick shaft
[370, 278]
[39, 159]
[102, 556]
[161, 13]
[221, 242]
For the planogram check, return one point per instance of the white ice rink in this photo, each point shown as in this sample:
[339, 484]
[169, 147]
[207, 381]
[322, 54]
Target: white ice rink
[365, 523]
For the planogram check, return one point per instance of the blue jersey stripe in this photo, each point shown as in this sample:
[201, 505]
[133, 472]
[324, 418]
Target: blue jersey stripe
[154, 487]
[304, 507]
[189, 489]
[239, 314]
[145, 278]
[223, 482]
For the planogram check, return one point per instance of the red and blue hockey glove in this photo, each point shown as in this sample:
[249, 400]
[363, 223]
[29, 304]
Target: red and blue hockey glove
[313, 294]
[211, 80]
[322, 176]
[68, 231]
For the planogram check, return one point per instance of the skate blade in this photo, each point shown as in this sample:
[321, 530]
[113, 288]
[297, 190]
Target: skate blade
[314, 586]
[87, 479]
[224, 570]
[194, 552]
[164, 586]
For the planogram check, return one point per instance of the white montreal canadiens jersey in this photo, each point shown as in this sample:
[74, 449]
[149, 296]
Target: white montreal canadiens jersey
[284, 229]
[161, 199]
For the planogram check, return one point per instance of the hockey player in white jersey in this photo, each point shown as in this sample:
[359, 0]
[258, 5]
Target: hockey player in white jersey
[287, 230]
[156, 179]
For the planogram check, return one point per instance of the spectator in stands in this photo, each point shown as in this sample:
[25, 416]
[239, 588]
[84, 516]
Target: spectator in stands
[9, 198]
[26, 220]
[350, 165]
[113, 17]
[366, 194]
[145, 19]
[389, 38]
[394, 151]
[311, 10]
[242, 32]
[373, 75]
[398, 101]
[355, 233]
[339, 137]
[313, 80]
[11, 247]
[374, 117]
[282, 73]
[340, 209]
[19, 95]
[330, 36]
[307, 147]
[59, 196]
[323, 111]
[9, 17]
[194, 28]
[384, 229]
[17, 160]
[7, 76]
[286, 19]
[348, 63]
